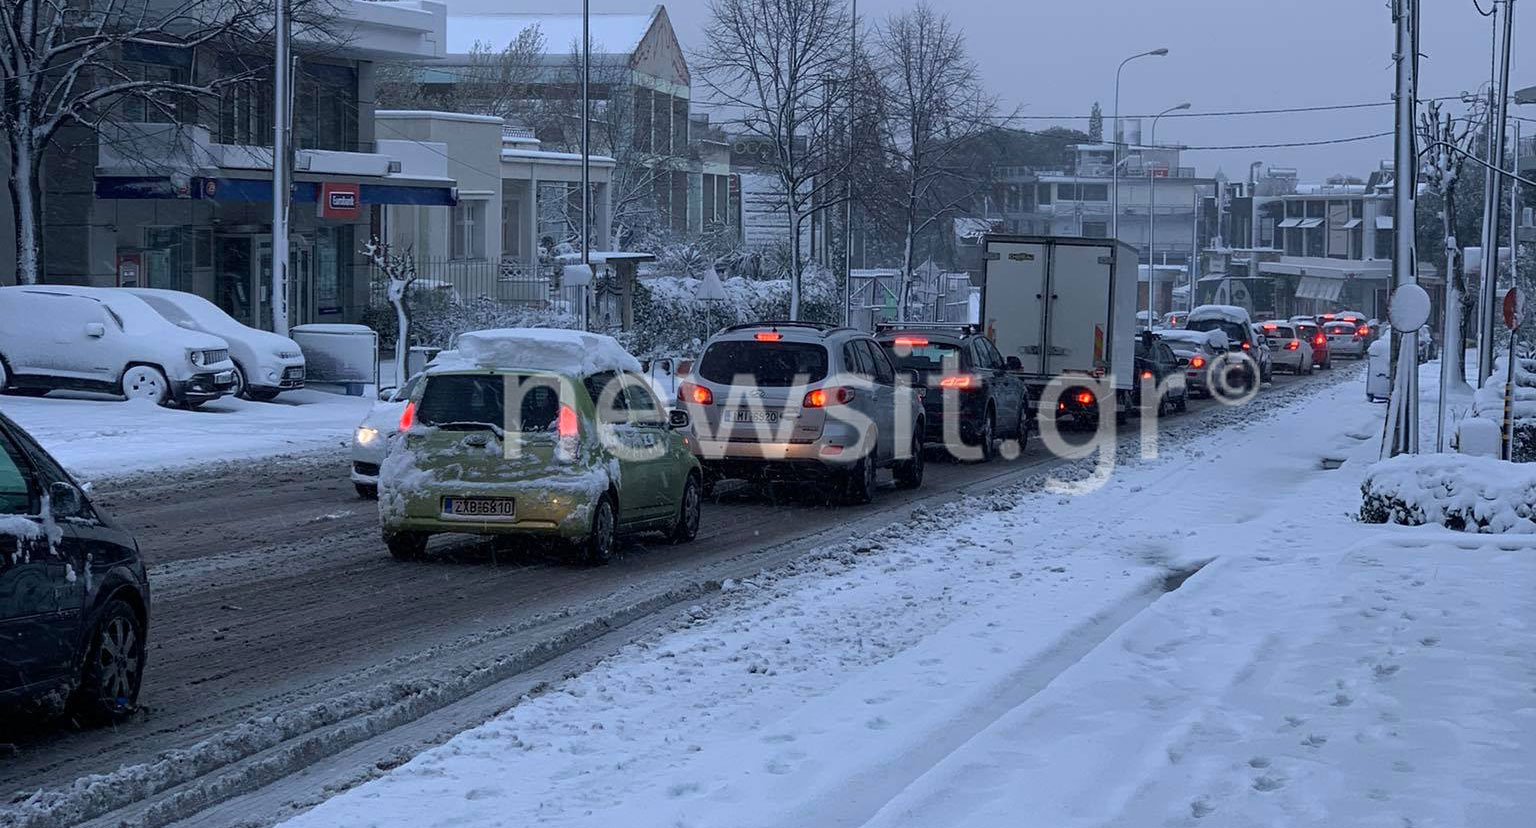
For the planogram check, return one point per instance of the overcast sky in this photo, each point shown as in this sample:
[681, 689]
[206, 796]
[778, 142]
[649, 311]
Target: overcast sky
[1056, 57]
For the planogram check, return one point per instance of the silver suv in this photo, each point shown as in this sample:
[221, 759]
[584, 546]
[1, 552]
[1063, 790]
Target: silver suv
[797, 400]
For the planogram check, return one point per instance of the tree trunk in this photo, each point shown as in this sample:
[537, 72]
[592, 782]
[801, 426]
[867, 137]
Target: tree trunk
[402, 332]
[794, 258]
[24, 209]
[906, 271]
[1453, 353]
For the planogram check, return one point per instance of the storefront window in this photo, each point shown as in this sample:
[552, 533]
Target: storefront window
[162, 257]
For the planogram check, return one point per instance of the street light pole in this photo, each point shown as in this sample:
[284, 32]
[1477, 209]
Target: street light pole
[1152, 219]
[1116, 140]
[1497, 113]
[586, 158]
[281, 65]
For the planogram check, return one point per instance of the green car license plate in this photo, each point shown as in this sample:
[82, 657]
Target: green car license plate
[480, 507]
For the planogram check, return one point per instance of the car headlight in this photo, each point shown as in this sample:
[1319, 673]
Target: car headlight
[272, 374]
[196, 357]
[366, 435]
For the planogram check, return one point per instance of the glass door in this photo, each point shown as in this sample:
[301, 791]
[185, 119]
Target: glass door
[234, 282]
[301, 258]
[263, 288]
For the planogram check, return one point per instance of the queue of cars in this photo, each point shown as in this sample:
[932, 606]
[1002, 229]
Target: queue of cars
[162, 346]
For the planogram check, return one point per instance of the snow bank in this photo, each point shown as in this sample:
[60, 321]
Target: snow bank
[543, 349]
[1459, 491]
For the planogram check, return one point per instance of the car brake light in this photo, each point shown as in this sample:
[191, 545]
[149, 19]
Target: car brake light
[1146, 375]
[1293, 345]
[1084, 398]
[961, 381]
[911, 341]
[1197, 362]
[695, 393]
[1247, 347]
[767, 336]
[408, 416]
[1319, 340]
[823, 397]
[567, 425]
[568, 428]
[1269, 326]
[1364, 330]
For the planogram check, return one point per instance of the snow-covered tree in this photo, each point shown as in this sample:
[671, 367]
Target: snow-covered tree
[1096, 124]
[399, 271]
[935, 104]
[1443, 135]
[497, 80]
[778, 62]
[61, 65]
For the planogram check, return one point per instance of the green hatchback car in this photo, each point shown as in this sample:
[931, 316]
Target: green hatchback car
[538, 432]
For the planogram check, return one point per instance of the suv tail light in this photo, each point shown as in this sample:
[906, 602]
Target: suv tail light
[1083, 397]
[912, 341]
[1197, 361]
[823, 397]
[767, 336]
[1319, 340]
[1364, 331]
[408, 416]
[690, 392]
[960, 381]
[1247, 347]
[1293, 345]
[568, 428]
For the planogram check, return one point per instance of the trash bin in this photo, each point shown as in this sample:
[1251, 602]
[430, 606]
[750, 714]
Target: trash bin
[418, 357]
[344, 355]
[1378, 370]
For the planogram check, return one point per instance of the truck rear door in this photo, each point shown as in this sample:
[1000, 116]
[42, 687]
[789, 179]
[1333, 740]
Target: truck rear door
[1015, 301]
[1079, 311]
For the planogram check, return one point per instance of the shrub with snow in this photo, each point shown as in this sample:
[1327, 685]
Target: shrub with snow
[1488, 404]
[1458, 491]
[671, 320]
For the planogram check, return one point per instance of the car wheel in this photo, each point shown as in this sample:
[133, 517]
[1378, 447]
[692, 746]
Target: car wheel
[859, 484]
[144, 382]
[987, 439]
[1183, 405]
[367, 491]
[597, 549]
[1026, 425]
[687, 526]
[406, 546]
[113, 667]
[262, 394]
[240, 388]
[909, 472]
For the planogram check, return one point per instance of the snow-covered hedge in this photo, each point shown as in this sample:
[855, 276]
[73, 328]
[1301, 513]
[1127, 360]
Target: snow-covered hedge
[1488, 404]
[1457, 491]
[670, 319]
[437, 316]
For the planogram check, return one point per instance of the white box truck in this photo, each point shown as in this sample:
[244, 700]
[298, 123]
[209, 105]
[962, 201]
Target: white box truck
[1063, 306]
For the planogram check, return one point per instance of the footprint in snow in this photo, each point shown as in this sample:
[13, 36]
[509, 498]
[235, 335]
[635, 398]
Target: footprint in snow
[1384, 671]
[1201, 808]
[1314, 741]
[877, 723]
[1258, 762]
[681, 789]
[482, 793]
[1429, 640]
[1294, 721]
[1342, 700]
[1266, 782]
[779, 738]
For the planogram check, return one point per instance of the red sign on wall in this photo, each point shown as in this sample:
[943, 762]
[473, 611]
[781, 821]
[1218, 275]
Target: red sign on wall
[339, 201]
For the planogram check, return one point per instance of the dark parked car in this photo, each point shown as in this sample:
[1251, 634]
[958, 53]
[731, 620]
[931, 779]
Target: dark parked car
[1158, 366]
[989, 402]
[74, 600]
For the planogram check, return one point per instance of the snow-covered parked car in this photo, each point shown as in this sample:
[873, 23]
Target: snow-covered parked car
[107, 340]
[371, 440]
[266, 364]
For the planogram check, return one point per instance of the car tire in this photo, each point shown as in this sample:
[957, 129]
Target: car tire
[987, 439]
[909, 472]
[859, 482]
[241, 388]
[367, 491]
[597, 548]
[689, 508]
[261, 394]
[145, 382]
[113, 669]
[1025, 426]
[406, 546]
[1183, 405]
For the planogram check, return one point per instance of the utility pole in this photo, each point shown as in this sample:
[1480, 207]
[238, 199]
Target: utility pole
[1498, 110]
[1403, 418]
[282, 63]
[586, 160]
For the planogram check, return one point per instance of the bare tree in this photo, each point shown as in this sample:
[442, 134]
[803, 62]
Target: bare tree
[1444, 135]
[775, 61]
[399, 269]
[935, 104]
[497, 80]
[61, 65]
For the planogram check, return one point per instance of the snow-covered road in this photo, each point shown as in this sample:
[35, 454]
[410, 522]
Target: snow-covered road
[1029, 667]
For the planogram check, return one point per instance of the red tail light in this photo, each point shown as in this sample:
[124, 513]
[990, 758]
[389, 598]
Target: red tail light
[1319, 340]
[961, 381]
[1197, 362]
[1247, 347]
[408, 416]
[1293, 345]
[911, 341]
[1364, 331]
[1084, 398]
[1146, 375]
[568, 428]
[823, 397]
[694, 393]
[567, 425]
[767, 336]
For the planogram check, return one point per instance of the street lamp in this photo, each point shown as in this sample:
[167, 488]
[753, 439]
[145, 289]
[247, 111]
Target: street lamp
[1152, 220]
[1115, 142]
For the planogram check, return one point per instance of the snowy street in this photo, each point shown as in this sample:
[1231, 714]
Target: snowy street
[370, 660]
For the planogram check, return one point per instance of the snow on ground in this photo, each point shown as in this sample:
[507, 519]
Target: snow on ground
[97, 435]
[1022, 667]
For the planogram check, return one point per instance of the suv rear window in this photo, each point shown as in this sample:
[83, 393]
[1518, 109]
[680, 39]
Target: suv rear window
[1279, 332]
[477, 400]
[1235, 331]
[769, 364]
[931, 356]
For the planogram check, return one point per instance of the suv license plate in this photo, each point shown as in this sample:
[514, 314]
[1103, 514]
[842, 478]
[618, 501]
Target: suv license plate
[479, 507]
[757, 416]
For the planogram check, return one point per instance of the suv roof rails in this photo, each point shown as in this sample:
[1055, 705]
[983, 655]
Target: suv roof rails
[967, 328]
[824, 327]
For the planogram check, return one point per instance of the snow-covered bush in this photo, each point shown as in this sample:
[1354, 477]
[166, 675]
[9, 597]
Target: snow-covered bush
[1457, 491]
[1488, 404]
[670, 319]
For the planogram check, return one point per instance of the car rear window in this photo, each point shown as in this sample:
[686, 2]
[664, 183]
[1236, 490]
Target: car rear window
[1280, 332]
[1339, 328]
[469, 400]
[1235, 331]
[768, 364]
[930, 356]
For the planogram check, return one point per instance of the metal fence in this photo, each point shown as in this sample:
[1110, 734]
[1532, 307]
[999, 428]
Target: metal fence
[507, 281]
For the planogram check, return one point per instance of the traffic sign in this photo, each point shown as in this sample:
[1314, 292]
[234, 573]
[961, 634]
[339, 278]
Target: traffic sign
[1514, 308]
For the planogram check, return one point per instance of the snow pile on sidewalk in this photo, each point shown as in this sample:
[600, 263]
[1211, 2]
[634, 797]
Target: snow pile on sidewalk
[1458, 491]
[96, 436]
[1028, 666]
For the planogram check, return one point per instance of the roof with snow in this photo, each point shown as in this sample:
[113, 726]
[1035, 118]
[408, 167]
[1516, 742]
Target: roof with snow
[557, 350]
[617, 34]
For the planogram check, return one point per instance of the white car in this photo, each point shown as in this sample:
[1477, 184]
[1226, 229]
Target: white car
[107, 340]
[371, 439]
[1286, 348]
[266, 364]
[1345, 339]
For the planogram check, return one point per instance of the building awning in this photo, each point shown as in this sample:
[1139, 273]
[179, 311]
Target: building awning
[1352, 224]
[1383, 222]
[1319, 287]
[1308, 224]
[254, 190]
[1290, 222]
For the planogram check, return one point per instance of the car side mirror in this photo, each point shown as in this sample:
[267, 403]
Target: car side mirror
[678, 418]
[95, 330]
[65, 500]
[387, 393]
[911, 377]
[1013, 363]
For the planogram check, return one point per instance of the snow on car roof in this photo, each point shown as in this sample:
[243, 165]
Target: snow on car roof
[1191, 337]
[556, 350]
[1230, 313]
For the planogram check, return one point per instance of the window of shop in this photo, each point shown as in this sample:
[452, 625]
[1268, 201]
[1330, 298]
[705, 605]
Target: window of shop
[332, 268]
[325, 107]
[1066, 192]
[1045, 193]
[468, 230]
[1094, 192]
[1096, 229]
[162, 257]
